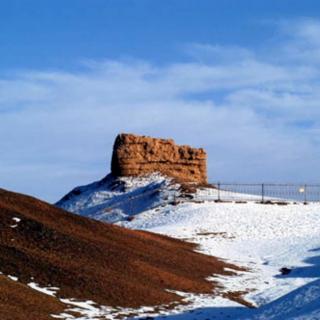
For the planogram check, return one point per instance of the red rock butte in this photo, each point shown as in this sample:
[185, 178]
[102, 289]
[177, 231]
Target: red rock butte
[141, 155]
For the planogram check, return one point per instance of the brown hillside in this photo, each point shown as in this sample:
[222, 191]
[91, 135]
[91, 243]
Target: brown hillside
[91, 260]
[19, 302]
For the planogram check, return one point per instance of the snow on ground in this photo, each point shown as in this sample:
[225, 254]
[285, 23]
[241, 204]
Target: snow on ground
[113, 199]
[301, 304]
[262, 238]
[13, 278]
[16, 220]
[51, 291]
[90, 310]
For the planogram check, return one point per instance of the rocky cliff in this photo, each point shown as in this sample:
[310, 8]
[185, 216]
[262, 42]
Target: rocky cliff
[140, 155]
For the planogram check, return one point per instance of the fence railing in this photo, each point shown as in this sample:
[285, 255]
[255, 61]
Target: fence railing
[264, 192]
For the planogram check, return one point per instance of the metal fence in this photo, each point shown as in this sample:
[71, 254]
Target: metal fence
[265, 192]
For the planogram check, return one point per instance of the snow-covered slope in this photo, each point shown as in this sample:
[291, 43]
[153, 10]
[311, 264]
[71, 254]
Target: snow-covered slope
[263, 238]
[302, 303]
[117, 198]
[113, 199]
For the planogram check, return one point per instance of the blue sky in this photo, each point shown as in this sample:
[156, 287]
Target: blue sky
[50, 34]
[239, 78]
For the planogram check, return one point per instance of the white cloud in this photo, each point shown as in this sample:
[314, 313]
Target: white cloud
[300, 42]
[258, 117]
[218, 54]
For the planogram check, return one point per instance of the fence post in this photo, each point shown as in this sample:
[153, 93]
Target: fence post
[219, 199]
[305, 194]
[262, 193]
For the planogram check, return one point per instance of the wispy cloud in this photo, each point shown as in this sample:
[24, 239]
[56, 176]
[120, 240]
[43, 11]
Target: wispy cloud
[255, 111]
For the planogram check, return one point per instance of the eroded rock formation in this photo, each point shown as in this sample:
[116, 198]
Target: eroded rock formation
[140, 155]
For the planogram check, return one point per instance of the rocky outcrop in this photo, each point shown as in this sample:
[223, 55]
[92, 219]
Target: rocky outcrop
[140, 155]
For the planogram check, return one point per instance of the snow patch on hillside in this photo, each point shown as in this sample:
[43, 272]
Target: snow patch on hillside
[51, 291]
[117, 198]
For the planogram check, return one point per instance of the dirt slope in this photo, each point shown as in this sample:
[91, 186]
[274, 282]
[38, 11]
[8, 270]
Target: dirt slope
[19, 302]
[91, 260]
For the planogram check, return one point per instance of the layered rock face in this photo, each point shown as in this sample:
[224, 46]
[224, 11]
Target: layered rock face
[140, 155]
